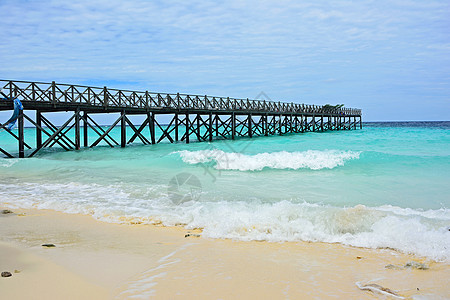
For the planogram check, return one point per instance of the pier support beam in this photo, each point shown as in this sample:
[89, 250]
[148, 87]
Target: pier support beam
[265, 126]
[233, 125]
[217, 124]
[280, 124]
[151, 126]
[176, 127]
[38, 129]
[21, 135]
[291, 128]
[77, 130]
[210, 127]
[188, 128]
[249, 124]
[123, 130]
[198, 128]
[85, 129]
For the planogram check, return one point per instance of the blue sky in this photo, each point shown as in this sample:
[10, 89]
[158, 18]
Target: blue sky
[390, 58]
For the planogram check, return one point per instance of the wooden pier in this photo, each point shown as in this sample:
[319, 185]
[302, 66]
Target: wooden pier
[191, 117]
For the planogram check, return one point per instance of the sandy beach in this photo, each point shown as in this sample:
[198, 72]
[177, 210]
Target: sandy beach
[98, 260]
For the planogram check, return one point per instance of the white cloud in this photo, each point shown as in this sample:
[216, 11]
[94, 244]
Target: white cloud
[232, 47]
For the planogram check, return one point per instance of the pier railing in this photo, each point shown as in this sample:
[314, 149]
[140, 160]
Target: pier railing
[56, 93]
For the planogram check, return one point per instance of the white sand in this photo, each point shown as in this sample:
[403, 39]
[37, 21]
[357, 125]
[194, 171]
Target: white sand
[96, 260]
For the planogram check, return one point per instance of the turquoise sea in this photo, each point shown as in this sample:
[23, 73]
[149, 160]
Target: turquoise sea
[385, 186]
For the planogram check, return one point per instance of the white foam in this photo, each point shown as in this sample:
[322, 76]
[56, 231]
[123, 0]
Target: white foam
[8, 162]
[423, 233]
[311, 159]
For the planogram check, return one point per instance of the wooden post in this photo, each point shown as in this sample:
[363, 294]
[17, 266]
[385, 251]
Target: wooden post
[360, 123]
[176, 127]
[321, 123]
[38, 129]
[151, 125]
[280, 123]
[198, 128]
[296, 124]
[217, 125]
[105, 96]
[33, 91]
[187, 128]
[77, 129]
[233, 125]
[210, 129]
[265, 125]
[53, 92]
[249, 119]
[123, 130]
[85, 129]
[21, 135]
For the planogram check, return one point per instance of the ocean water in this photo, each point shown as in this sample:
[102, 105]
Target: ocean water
[385, 186]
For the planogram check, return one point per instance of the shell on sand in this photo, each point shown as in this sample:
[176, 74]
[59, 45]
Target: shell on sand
[376, 288]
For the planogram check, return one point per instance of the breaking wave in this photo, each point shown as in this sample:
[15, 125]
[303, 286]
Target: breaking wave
[311, 159]
[421, 232]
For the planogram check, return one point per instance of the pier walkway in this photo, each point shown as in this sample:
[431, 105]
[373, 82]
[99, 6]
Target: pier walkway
[191, 117]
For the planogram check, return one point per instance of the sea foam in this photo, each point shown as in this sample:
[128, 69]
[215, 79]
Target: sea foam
[423, 233]
[311, 159]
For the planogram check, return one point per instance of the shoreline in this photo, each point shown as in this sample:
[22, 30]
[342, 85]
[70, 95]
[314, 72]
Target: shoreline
[99, 260]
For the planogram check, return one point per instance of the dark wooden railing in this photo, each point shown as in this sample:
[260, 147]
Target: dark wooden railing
[56, 93]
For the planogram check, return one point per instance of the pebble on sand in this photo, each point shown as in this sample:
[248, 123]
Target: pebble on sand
[393, 267]
[191, 234]
[416, 265]
[411, 264]
[6, 212]
[48, 245]
[6, 274]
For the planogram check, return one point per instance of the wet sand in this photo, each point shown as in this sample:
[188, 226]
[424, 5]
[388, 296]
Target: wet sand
[98, 260]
